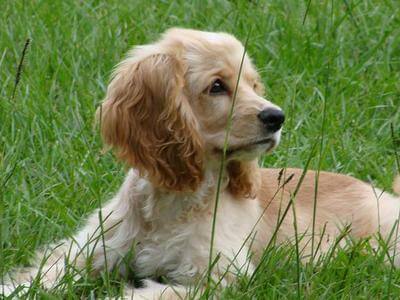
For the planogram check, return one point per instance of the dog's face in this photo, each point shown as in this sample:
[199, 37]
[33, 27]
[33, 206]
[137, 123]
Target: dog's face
[168, 106]
[213, 63]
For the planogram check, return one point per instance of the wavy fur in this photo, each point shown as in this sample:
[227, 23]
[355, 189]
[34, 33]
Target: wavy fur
[143, 118]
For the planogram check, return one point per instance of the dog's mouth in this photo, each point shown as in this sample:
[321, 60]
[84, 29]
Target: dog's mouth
[270, 142]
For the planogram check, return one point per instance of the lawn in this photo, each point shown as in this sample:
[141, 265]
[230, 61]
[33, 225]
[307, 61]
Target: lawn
[333, 66]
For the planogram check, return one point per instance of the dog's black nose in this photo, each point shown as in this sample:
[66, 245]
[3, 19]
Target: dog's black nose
[272, 118]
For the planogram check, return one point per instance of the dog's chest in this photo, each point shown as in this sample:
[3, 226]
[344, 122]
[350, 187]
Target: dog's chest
[180, 249]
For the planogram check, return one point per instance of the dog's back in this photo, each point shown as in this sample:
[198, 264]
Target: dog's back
[342, 203]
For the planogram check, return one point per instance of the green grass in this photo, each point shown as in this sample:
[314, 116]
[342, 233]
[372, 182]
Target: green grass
[53, 173]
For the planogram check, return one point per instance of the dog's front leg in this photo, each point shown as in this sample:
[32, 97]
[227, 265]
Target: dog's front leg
[106, 238]
[110, 232]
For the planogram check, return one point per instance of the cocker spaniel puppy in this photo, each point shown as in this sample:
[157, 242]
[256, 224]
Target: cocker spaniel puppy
[166, 113]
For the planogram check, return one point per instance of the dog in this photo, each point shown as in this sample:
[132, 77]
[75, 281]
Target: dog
[167, 113]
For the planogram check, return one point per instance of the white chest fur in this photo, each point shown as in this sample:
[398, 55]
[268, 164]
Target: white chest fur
[176, 242]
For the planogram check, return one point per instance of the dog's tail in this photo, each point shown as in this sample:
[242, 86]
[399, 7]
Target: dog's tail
[396, 185]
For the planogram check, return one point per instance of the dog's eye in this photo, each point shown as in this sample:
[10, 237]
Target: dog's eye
[217, 88]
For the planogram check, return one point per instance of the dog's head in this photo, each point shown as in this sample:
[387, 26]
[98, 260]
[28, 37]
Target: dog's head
[168, 105]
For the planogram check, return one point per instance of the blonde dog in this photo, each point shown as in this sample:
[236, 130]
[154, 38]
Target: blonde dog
[165, 113]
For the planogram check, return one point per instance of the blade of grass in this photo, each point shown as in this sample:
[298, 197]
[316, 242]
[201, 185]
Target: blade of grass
[19, 69]
[254, 227]
[222, 162]
[296, 249]
[271, 241]
[321, 148]
[307, 10]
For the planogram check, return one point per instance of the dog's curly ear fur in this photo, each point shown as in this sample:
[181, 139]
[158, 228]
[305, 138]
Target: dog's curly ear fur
[244, 179]
[147, 119]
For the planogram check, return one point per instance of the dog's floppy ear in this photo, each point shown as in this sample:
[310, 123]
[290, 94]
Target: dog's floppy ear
[146, 117]
[244, 178]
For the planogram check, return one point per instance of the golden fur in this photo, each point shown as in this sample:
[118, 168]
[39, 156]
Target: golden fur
[147, 97]
[150, 92]
[166, 121]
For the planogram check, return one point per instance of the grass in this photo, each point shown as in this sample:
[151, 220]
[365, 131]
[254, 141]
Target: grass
[325, 62]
